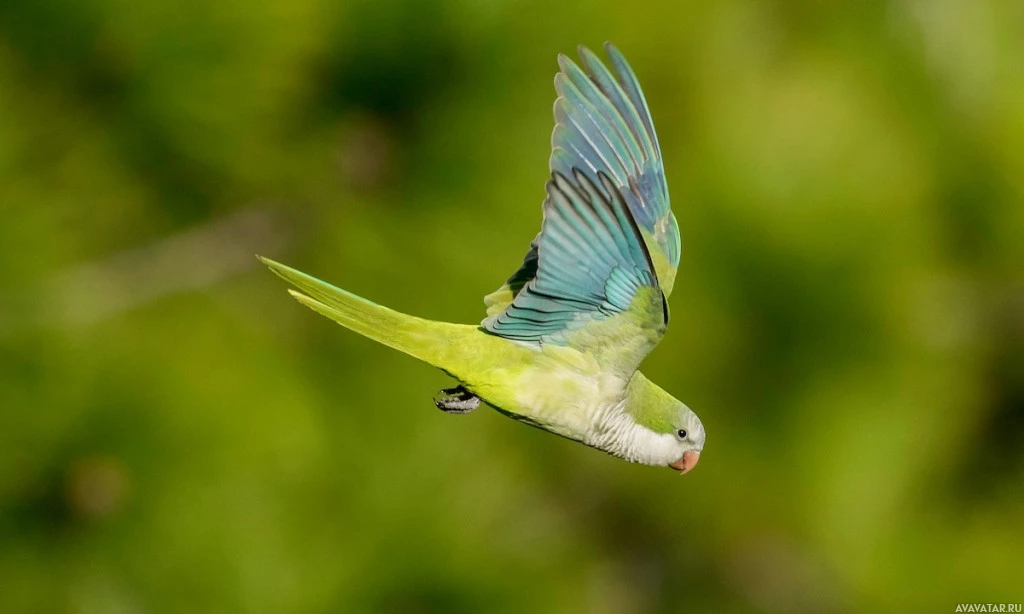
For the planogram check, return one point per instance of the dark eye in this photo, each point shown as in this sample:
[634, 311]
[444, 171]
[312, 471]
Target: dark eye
[681, 433]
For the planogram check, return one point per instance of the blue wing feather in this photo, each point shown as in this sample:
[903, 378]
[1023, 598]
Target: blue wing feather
[592, 262]
[613, 126]
[603, 124]
[594, 255]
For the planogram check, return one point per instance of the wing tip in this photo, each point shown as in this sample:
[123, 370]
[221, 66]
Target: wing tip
[616, 56]
[564, 62]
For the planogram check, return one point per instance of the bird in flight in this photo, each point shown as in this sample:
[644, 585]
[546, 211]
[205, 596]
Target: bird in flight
[565, 334]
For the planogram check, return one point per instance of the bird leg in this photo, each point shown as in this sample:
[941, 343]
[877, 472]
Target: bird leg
[456, 400]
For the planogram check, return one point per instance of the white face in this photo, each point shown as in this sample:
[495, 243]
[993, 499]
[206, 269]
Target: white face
[624, 437]
[691, 430]
[679, 450]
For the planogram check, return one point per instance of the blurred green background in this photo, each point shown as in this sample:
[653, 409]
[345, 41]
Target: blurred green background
[177, 435]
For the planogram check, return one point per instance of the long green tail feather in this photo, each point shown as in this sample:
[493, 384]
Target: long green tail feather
[427, 340]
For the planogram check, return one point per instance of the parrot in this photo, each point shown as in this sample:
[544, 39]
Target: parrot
[563, 337]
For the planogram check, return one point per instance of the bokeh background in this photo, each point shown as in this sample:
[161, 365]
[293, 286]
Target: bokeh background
[177, 435]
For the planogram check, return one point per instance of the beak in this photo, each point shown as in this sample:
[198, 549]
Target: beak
[687, 462]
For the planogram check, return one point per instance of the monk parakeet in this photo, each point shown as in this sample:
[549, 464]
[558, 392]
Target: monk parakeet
[565, 335]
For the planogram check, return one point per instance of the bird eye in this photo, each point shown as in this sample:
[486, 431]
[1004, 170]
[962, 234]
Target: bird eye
[681, 433]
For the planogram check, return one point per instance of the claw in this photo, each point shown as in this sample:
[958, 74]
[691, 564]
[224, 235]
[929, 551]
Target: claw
[456, 400]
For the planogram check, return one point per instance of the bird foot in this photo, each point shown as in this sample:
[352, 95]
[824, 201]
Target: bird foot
[456, 400]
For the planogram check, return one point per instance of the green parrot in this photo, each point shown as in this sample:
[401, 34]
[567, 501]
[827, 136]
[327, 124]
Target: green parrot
[564, 336]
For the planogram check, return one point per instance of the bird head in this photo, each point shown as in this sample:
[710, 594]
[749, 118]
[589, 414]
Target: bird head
[667, 432]
[689, 434]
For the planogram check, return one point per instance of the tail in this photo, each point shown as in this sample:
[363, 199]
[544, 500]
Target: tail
[433, 342]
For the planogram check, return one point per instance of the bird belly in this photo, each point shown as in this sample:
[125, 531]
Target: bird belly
[563, 401]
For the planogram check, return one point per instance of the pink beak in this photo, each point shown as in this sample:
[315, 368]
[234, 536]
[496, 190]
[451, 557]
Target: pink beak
[687, 462]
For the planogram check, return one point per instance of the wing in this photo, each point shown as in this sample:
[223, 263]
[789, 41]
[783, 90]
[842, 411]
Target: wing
[595, 287]
[602, 124]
